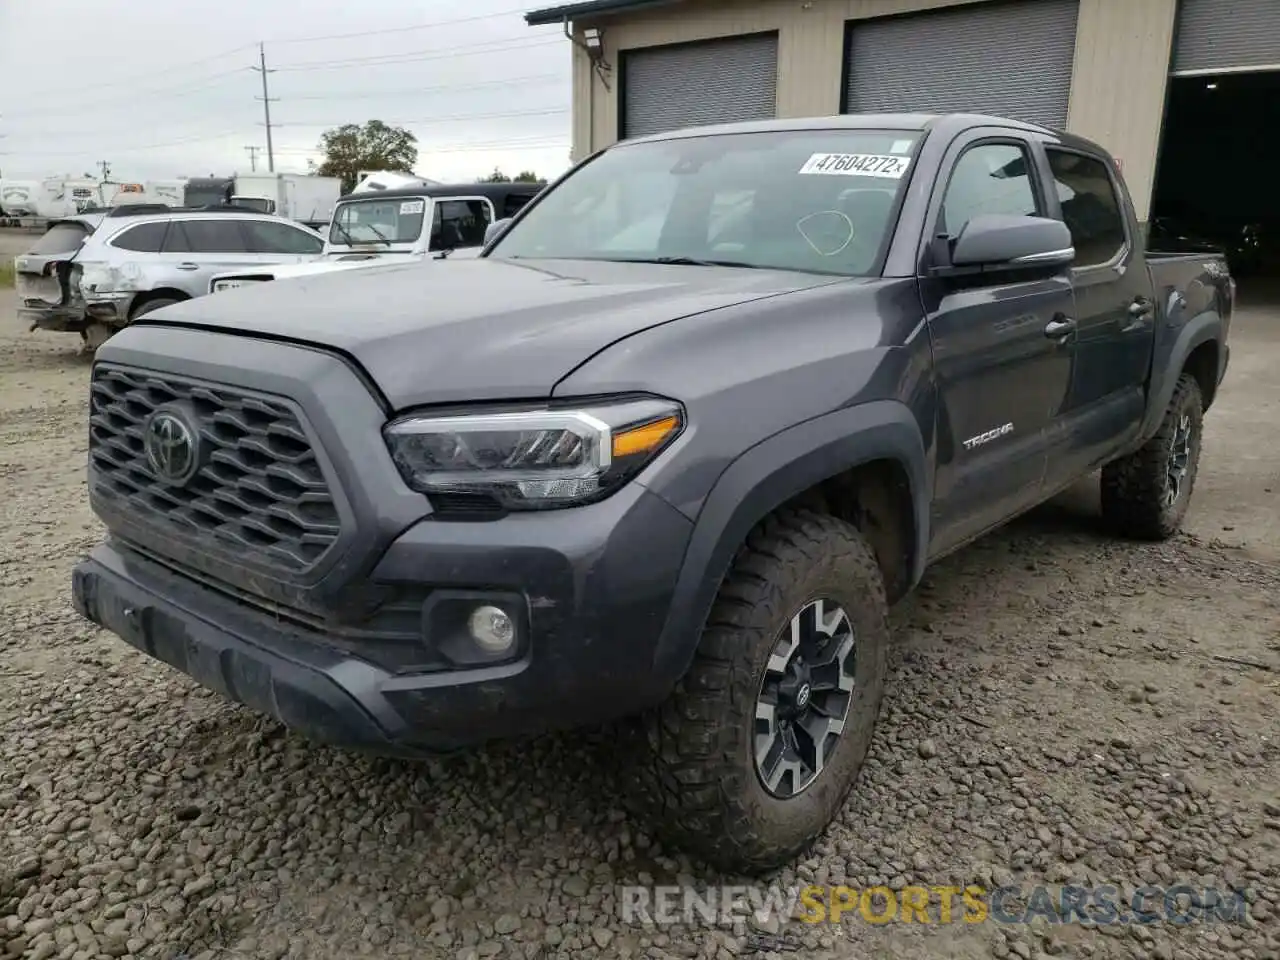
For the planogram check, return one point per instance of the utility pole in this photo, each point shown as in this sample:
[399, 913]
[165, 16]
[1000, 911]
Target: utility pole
[267, 100]
[106, 170]
[253, 157]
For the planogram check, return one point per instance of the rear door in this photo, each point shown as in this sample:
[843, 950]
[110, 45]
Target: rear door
[1002, 382]
[197, 248]
[1115, 314]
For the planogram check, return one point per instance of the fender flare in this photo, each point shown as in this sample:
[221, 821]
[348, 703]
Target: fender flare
[1167, 366]
[767, 476]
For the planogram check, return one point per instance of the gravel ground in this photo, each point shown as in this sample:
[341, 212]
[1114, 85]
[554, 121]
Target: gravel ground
[1058, 712]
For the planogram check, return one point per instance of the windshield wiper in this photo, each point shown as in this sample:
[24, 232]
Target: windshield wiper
[346, 234]
[379, 234]
[691, 262]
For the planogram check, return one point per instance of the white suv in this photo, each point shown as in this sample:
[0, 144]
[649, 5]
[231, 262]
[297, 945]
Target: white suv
[132, 264]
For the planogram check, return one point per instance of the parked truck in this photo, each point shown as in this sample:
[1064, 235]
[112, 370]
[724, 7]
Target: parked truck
[398, 225]
[666, 451]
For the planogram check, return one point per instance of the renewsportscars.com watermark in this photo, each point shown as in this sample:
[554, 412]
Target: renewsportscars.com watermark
[1099, 906]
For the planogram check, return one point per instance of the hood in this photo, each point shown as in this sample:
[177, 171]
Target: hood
[451, 331]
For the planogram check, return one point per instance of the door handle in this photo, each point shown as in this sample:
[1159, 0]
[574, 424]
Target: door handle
[1060, 327]
[1141, 307]
[188, 266]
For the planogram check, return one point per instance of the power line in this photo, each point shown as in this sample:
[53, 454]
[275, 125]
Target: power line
[151, 73]
[275, 124]
[457, 118]
[383, 31]
[167, 91]
[448, 87]
[148, 146]
[418, 56]
[61, 130]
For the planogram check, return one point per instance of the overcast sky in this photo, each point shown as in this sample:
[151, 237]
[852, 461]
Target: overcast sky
[161, 89]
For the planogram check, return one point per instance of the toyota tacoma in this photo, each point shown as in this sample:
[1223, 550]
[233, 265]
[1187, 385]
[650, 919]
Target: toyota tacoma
[665, 453]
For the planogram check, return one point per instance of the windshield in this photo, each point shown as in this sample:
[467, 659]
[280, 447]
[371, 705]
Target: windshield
[817, 201]
[379, 220]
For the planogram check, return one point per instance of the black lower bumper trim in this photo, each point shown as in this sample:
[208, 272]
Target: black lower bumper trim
[321, 699]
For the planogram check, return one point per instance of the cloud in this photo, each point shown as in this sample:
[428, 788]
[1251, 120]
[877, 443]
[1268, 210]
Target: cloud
[161, 90]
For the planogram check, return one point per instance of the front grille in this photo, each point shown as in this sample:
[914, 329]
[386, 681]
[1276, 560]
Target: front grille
[260, 494]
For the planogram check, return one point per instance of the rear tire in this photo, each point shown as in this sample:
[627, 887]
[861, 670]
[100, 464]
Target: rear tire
[1145, 495]
[703, 774]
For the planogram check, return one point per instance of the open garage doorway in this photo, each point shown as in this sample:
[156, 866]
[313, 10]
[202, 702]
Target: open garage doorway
[1216, 178]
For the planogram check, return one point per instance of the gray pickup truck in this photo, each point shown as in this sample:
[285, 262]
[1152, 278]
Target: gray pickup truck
[665, 453]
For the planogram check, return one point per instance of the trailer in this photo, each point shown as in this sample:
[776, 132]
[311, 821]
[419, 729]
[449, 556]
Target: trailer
[301, 197]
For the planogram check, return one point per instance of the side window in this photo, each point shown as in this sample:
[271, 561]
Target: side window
[144, 238]
[1090, 207]
[514, 203]
[212, 236]
[988, 178]
[176, 240]
[266, 236]
[459, 223]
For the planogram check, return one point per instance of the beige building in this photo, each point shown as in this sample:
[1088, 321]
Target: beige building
[1100, 68]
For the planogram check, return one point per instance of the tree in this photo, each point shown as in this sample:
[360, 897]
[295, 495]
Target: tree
[524, 176]
[350, 148]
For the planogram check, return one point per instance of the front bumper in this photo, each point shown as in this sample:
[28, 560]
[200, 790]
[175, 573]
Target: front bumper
[596, 583]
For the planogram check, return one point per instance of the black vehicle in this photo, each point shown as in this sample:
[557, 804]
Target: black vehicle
[666, 451]
[208, 191]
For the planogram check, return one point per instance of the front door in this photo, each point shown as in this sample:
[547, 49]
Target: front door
[1002, 381]
[1115, 315]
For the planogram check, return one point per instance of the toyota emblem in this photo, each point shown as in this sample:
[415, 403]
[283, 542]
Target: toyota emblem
[171, 447]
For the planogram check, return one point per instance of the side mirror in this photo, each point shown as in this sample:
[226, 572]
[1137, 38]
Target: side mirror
[1005, 242]
[495, 230]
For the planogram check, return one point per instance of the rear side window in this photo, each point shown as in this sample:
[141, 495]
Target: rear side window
[268, 237]
[1090, 206]
[514, 203]
[144, 238]
[61, 238]
[205, 236]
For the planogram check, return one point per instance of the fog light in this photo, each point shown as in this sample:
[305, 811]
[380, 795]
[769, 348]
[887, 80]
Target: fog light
[491, 628]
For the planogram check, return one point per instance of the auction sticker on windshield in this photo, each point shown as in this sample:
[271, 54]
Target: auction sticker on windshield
[410, 207]
[858, 165]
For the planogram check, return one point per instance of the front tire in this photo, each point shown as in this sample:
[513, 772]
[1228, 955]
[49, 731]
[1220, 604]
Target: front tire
[151, 306]
[1145, 495]
[756, 750]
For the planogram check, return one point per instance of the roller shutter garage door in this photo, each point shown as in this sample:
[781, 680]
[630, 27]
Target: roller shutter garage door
[715, 81]
[1218, 35]
[1007, 59]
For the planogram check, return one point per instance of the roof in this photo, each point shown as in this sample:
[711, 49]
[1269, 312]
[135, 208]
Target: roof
[847, 121]
[586, 10]
[490, 190]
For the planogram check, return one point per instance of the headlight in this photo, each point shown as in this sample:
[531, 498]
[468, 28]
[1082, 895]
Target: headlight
[534, 459]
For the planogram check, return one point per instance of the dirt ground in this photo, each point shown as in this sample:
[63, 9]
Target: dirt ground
[1063, 708]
